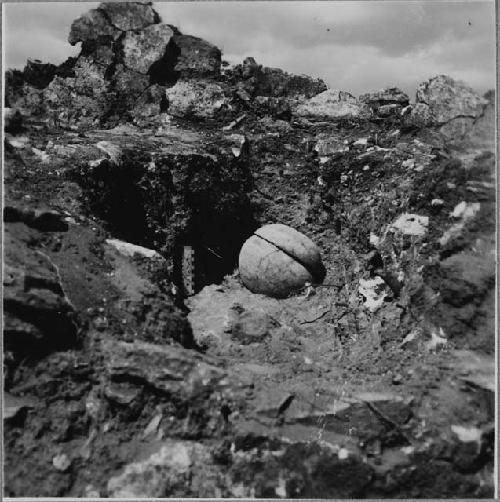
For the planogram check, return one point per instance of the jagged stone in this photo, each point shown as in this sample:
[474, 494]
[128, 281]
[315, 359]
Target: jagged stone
[172, 370]
[91, 26]
[196, 99]
[332, 104]
[197, 58]
[39, 317]
[150, 104]
[449, 99]
[129, 15]
[97, 53]
[38, 74]
[128, 87]
[388, 96]
[420, 115]
[274, 82]
[143, 48]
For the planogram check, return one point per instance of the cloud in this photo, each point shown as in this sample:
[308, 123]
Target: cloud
[354, 45]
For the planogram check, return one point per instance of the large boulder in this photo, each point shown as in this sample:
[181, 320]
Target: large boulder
[143, 48]
[332, 104]
[127, 16]
[451, 106]
[196, 58]
[92, 26]
[448, 99]
[278, 260]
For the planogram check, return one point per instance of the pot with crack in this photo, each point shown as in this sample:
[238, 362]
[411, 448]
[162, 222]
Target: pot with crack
[278, 260]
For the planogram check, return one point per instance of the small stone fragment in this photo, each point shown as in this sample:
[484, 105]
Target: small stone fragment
[61, 462]
[467, 434]
[411, 224]
[131, 250]
[375, 291]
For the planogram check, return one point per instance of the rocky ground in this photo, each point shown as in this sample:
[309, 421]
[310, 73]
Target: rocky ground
[131, 371]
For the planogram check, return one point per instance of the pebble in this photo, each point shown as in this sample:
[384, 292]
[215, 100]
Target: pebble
[61, 462]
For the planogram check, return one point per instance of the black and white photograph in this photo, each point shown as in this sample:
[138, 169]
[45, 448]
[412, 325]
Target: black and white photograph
[249, 249]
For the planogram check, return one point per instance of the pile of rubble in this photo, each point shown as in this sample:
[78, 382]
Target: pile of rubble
[351, 355]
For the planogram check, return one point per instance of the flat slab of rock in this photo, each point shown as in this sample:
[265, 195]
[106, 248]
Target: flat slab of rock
[168, 369]
[332, 104]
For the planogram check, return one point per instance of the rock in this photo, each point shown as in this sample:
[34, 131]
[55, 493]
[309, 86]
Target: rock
[279, 108]
[375, 292]
[257, 80]
[234, 123]
[453, 107]
[388, 96]
[131, 250]
[449, 99]
[386, 102]
[167, 369]
[332, 104]
[420, 115]
[476, 369]
[239, 145]
[13, 121]
[249, 326]
[196, 99]
[112, 151]
[466, 276]
[14, 406]
[127, 16]
[482, 134]
[128, 87]
[38, 74]
[177, 466]
[91, 26]
[197, 58]
[143, 48]
[61, 462]
[150, 104]
[388, 110]
[411, 224]
[274, 82]
[465, 210]
[278, 260]
[328, 145]
[45, 221]
[38, 316]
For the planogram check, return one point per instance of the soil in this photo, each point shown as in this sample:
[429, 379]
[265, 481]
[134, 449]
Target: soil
[314, 395]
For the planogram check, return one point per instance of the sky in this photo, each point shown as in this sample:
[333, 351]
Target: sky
[357, 46]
